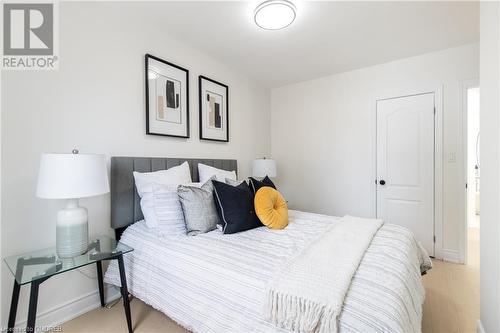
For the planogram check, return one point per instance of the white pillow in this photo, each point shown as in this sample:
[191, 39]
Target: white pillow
[233, 182]
[168, 211]
[206, 172]
[174, 176]
[159, 200]
[148, 210]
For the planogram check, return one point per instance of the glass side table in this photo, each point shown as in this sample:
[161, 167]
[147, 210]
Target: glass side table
[36, 267]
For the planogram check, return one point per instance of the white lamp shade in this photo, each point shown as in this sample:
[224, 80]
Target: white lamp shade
[72, 176]
[264, 167]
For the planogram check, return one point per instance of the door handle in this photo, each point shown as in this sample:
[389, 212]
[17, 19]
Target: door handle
[382, 182]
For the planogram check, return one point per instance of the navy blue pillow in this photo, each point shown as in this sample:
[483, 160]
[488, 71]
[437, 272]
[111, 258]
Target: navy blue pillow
[235, 207]
[256, 184]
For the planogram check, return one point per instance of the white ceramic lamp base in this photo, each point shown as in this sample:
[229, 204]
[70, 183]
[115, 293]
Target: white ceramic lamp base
[72, 230]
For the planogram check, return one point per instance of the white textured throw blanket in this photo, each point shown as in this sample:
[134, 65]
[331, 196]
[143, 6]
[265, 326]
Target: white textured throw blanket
[308, 293]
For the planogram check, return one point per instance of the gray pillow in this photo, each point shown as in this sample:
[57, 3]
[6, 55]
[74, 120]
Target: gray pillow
[198, 206]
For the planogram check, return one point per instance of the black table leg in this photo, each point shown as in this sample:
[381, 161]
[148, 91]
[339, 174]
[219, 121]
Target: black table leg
[30, 327]
[13, 307]
[124, 290]
[100, 281]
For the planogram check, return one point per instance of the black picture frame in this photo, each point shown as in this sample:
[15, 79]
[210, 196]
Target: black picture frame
[200, 101]
[147, 57]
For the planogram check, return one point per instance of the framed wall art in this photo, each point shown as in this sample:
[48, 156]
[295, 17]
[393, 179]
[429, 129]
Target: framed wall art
[167, 98]
[214, 110]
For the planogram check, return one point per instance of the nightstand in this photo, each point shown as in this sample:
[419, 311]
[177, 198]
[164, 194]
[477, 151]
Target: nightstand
[36, 267]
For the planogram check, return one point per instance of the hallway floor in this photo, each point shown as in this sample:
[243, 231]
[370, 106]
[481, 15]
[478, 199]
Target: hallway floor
[452, 293]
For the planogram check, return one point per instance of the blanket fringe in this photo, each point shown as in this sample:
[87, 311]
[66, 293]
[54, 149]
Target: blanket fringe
[307, 294]
[298, 314]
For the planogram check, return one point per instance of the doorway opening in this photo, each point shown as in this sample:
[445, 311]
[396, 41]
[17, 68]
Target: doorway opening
[473, 173]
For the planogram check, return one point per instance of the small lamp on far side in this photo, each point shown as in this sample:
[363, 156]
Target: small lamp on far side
[264, 167]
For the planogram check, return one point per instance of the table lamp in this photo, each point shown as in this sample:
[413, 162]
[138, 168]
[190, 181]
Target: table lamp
[264, 167]
[70, 177]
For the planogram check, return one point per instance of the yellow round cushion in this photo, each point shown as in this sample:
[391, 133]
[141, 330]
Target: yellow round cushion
[271, 208]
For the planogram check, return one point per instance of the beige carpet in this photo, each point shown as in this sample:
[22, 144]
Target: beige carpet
[451, 305]
[452, 293]
[145, 319]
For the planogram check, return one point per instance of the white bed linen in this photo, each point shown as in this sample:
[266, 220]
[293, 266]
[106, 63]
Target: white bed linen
[307, 295]
[216, 283]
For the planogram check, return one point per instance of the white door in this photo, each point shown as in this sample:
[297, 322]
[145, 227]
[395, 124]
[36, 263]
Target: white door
[405, 164]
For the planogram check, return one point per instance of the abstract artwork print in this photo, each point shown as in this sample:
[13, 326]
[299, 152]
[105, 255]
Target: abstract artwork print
[214, 102]
[214, 110]
[167, 100]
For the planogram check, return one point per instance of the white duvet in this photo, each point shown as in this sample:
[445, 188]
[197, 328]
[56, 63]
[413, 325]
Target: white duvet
[217, 283]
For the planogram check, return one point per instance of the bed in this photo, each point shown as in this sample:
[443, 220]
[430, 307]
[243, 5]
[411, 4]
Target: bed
[216, 283]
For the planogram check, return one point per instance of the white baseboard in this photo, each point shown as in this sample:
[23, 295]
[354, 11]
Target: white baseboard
[451, 256]
[480, 328]
[72, 309]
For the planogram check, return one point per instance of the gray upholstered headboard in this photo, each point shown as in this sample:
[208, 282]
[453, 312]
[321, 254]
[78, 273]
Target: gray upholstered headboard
[125, 202]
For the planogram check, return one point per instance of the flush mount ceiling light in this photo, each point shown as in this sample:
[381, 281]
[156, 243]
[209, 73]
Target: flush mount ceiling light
[275, 14]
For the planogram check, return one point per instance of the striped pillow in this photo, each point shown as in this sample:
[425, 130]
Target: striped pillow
[168, 210]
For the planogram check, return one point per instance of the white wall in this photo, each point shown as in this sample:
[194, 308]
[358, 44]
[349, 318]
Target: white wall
[329, 125]
[490, 167]
[96, 102]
